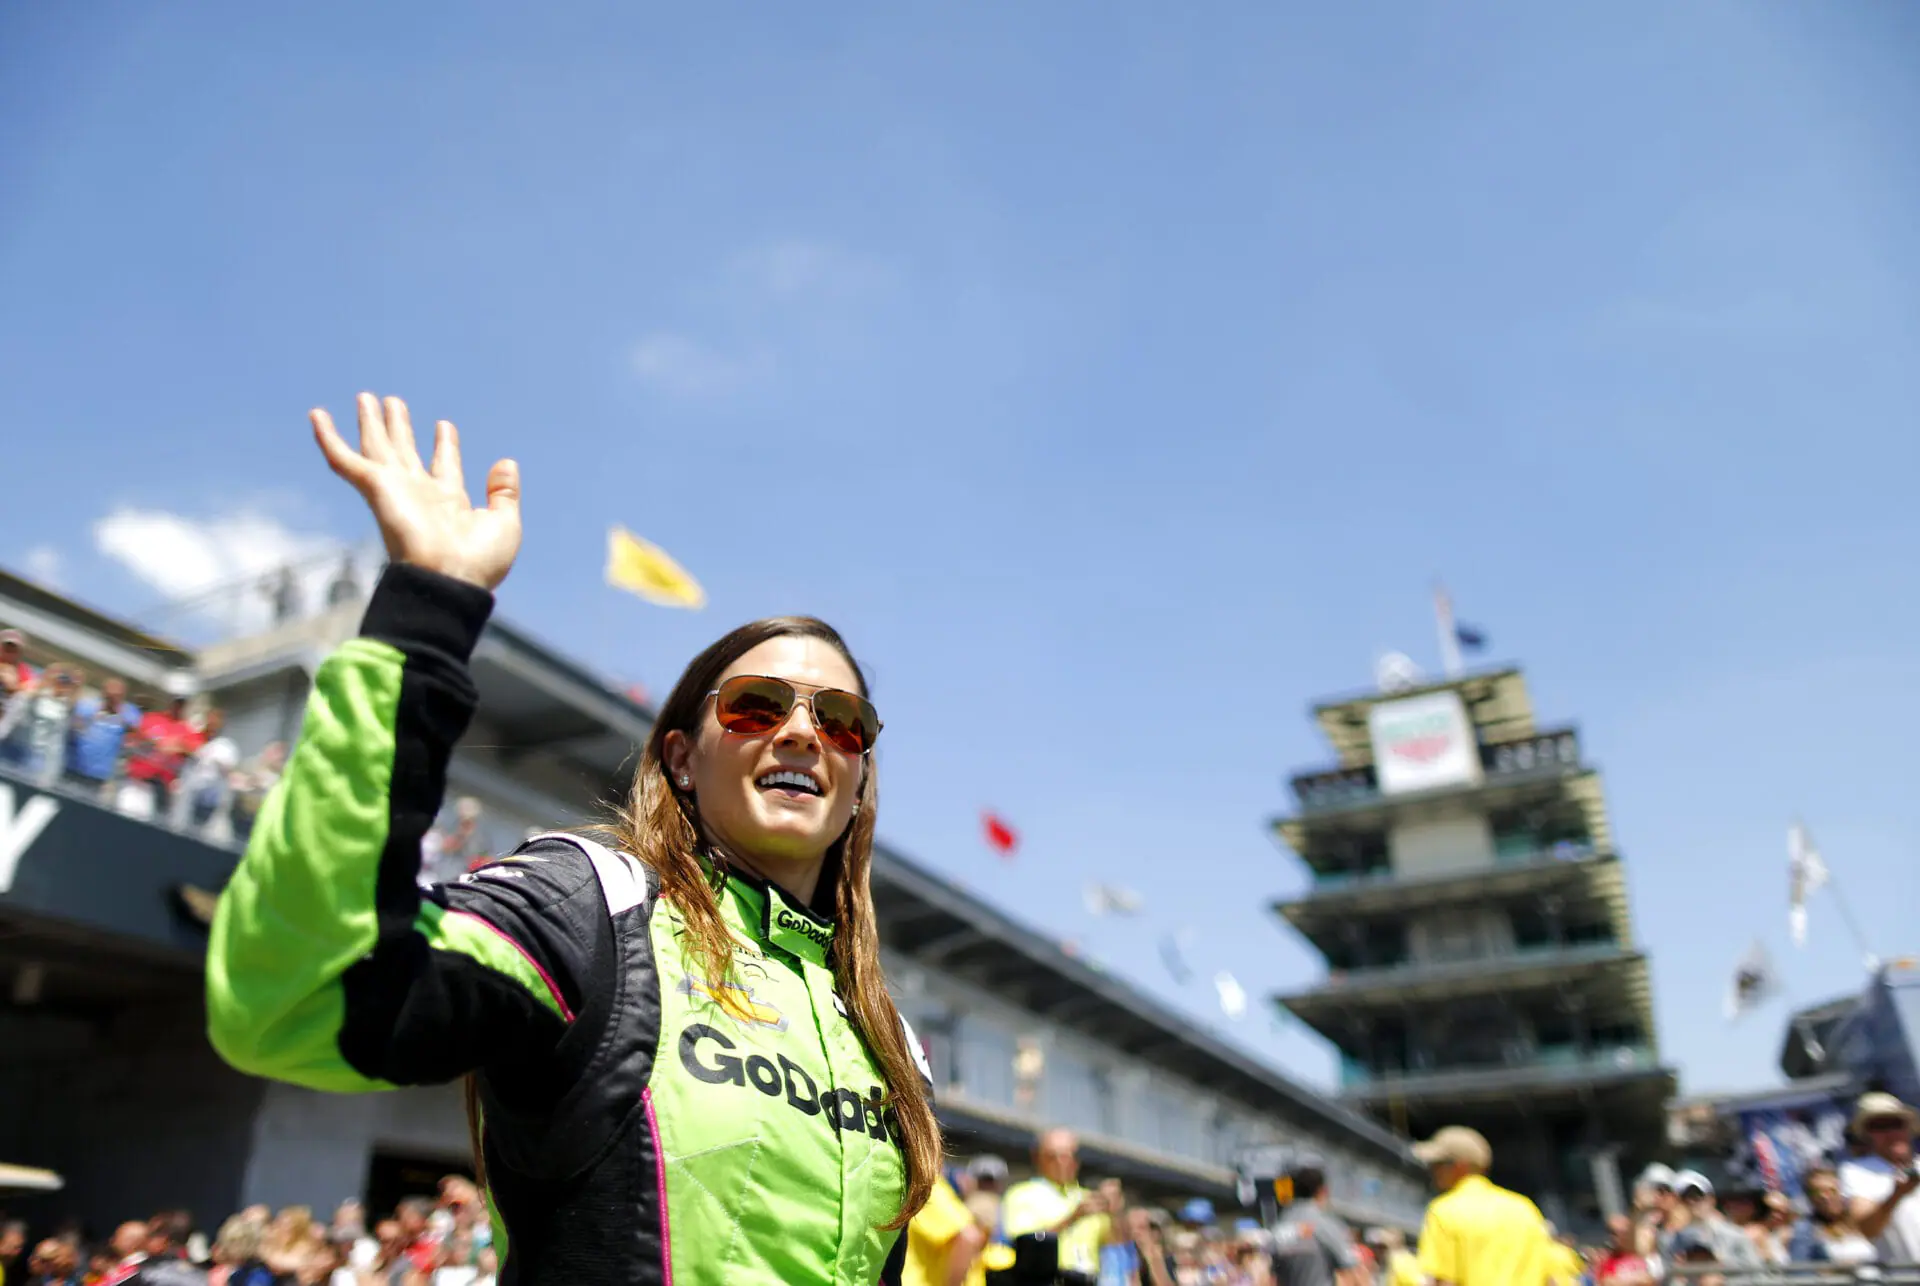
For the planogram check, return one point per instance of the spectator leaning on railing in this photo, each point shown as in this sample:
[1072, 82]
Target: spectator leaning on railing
[1880, 1187]
[1654, 1203]
[37, 721]
[1731, 1245]
[251, 783]
[164, 741]
[1828, 1235]
[15, 673]
[100, 728]
[203, 787]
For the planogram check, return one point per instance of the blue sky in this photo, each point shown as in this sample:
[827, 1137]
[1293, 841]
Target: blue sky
[1117, 379]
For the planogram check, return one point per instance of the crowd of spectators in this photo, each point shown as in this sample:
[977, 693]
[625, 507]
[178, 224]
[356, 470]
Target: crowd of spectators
[1861, 1214]
[1861, 1211]
[426, 1241]
[1097, 1234]
[174, 764]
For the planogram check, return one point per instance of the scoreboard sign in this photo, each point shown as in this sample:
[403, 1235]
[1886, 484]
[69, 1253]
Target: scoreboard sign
[1423, 743]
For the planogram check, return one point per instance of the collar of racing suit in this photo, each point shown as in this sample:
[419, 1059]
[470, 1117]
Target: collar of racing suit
[767, 913]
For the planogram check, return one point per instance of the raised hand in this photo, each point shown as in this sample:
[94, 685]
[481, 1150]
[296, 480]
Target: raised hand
[424, 514]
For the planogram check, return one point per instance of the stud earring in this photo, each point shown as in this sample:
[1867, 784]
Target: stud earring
[686, 783]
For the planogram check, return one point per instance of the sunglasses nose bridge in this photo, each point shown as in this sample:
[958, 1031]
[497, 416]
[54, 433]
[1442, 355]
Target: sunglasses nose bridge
[802, 708]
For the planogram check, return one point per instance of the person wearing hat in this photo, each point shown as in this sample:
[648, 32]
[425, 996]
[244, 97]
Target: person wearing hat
[985, 1180]
[1653, 1207]
[1312, 1246]
[1702, 1215]
[1880, 1186]
[1476, 1233]
[1695, 1244]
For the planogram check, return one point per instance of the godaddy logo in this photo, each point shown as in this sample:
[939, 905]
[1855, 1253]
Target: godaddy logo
[804, 927]
[708, 1056]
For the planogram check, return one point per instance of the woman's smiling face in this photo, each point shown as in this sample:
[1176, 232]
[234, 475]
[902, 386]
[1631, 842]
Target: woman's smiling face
[783, 796]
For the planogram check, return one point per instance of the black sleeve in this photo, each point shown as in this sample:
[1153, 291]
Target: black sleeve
[496, 978]
[894, 1270]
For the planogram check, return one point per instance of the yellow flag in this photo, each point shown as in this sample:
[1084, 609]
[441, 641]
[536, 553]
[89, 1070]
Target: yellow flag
[647, 570]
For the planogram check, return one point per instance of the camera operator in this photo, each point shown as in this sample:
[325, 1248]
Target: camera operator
[1053, 1208]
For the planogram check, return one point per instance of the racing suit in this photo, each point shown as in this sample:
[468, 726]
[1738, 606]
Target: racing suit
[643, 1123]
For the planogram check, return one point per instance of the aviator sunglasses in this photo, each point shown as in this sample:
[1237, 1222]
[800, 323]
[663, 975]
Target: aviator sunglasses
[752, 705]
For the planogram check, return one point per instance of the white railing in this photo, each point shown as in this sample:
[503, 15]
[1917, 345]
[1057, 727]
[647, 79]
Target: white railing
[273, 598]
[1798, 1274]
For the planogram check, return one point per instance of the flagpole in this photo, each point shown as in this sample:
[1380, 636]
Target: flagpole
[1449, 634]
[1867, 955]
[1808, 859]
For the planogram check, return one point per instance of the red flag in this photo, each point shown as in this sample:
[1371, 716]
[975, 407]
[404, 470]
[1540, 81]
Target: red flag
[1000, 836]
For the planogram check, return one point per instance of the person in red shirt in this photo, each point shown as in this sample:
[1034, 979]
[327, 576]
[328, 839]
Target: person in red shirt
[165, 739]
[15, 673]
[1623, 1265]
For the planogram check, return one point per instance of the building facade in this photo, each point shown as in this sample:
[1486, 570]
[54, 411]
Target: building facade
[106, 1076]
[1469, 900]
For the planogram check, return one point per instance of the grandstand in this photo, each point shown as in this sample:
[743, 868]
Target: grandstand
[109, 1080]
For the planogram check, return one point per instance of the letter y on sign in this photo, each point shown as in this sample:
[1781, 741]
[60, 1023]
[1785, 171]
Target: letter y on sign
[19, 830]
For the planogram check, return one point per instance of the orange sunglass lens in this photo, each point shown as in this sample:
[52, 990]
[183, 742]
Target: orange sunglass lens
[749, 705]
[846, 720]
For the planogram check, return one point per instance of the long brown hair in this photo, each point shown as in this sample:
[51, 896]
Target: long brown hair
[661, 827]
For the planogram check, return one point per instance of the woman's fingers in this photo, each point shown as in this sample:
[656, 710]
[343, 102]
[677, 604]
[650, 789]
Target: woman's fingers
[341, 458]
[374, 444]
[400, 433]
[446, 457]
[503, 488]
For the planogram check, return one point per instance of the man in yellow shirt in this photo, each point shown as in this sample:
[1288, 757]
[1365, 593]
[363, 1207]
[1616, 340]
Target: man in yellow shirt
[944, 1242]
[1054, 1202]
[1477, 1234]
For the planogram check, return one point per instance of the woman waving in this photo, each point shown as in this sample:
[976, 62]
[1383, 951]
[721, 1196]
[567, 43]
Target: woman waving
[683, 1064]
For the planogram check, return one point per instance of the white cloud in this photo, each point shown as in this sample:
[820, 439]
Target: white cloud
[219, 562]
[43, 564]
[687, 368]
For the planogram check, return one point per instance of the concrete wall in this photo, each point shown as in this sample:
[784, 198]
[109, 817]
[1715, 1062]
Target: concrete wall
[313, 1149]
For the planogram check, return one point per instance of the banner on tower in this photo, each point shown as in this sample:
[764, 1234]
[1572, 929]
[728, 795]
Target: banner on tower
[1423, 743]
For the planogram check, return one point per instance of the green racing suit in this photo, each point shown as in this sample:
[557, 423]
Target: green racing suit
[642, 1123]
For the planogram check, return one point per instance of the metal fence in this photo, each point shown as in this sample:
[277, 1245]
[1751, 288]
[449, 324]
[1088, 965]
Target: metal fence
[272, 595]
[1798, 1274]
